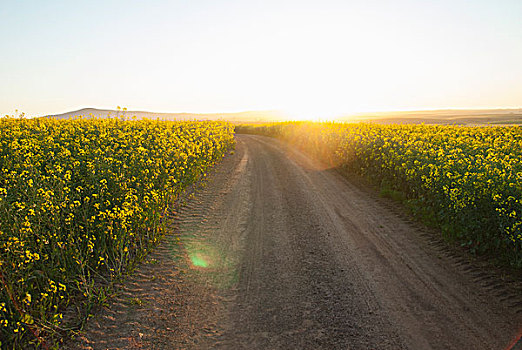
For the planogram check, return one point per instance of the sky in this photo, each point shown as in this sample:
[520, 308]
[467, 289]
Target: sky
[309, 58]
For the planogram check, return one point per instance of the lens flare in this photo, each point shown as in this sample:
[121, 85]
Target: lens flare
[198, 260]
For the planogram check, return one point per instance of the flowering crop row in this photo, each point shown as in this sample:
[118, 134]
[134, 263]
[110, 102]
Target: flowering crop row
[465, 180]
[80, 201]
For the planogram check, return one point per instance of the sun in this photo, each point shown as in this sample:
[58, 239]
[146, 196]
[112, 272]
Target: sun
[312, 113]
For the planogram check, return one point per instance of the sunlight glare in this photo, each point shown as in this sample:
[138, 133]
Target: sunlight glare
[198, 260]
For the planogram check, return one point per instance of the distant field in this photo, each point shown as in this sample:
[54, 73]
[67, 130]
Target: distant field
[435, 117]
[444, 117]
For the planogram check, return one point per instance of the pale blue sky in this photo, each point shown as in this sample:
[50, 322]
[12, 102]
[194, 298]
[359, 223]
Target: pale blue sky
[308, 57]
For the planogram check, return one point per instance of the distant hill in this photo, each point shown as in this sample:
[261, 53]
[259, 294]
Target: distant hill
[249, 116]
[442, 117]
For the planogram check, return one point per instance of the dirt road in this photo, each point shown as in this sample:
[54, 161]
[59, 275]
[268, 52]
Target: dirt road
[279, 253]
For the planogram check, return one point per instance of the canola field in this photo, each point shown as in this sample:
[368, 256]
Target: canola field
[80, 202]
[467, 181]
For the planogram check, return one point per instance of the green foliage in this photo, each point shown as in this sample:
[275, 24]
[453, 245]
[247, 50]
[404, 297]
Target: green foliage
[80, 202]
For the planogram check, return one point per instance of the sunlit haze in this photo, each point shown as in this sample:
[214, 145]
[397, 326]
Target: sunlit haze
[313, 59]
